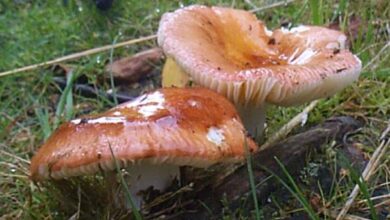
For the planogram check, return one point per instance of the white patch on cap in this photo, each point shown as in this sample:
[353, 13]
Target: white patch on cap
[148, 104]
[339, 44]
[215, 135]
[292, 57]
[283, 57]
[295, 30]
[303, 58]
[117, 113]
[342, 39]
[75, 121]
[101, 120]
[332, 45]
[299, 29]
[358, 59]
[267, 32]
[193, 103]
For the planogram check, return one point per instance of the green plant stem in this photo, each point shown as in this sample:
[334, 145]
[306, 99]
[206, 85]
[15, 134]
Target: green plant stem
[252, 181]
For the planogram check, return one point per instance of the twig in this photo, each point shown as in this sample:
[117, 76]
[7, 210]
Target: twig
[383, 203]
[380, 52]
[249, 2]
[375, 198]
[14, 156]
[283, 132]
[13, 175]
[276, 4]
[368, 171]
[381, 185]
[78, 55]
[89, 91]
[333, 214]
[110, 47]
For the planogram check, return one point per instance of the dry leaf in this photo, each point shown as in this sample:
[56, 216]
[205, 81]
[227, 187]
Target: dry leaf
[131, 69]
[354, 26]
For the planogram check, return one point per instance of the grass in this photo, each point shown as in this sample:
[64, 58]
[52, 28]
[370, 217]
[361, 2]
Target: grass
[129, 199]
[65, 104]
[315, 7]
[357, 179]
[291, 186]
[32, 105]
[252, 181]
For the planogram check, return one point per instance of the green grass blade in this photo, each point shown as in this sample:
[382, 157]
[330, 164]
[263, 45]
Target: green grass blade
[294, 190]
[136, 213]
[252, 180]
[69, 98]
[111, 76]
[315, 7]
[63, 99]
[298, 14]
[364, 189]
[43, 118]
[357, 179]
[206, 207]
[342, 5]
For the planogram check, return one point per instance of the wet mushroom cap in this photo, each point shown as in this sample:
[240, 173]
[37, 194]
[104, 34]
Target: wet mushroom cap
[195, 127]
[233, 53]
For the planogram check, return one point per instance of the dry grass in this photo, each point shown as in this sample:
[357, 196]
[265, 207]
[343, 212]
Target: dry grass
[35, 32]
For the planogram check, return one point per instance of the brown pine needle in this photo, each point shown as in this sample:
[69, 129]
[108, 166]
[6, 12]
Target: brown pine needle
[78, 55]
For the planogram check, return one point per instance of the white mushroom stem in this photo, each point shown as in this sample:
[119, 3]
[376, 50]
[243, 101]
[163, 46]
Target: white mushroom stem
[253, 118]
[144, 175]
[140, 177]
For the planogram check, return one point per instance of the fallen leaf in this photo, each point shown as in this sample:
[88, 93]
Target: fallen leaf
[131, 69]
[354, 26]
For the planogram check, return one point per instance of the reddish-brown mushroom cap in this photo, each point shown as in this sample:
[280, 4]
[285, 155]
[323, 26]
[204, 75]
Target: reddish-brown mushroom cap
[232, 52]
[196, 127]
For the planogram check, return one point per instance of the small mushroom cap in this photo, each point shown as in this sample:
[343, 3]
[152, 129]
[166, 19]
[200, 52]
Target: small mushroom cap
[233, 53]
[195, 127]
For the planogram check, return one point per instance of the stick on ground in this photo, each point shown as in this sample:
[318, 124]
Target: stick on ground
[286, 129]
[77, 55]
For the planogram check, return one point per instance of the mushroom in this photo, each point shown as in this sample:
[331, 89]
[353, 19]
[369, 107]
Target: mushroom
[151, 136]
[233, 53]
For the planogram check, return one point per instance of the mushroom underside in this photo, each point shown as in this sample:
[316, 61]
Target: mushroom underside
[144, 176]
[253, 118]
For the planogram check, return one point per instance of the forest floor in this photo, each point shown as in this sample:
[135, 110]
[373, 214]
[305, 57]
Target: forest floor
[31, 106]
